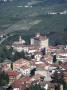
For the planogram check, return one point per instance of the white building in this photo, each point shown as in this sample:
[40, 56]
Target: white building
[39, 40]
[38, 57]
[21, 41]
[20, 45]
[25, 70]
[62, 57]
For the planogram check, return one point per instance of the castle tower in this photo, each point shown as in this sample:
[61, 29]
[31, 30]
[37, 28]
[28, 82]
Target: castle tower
[40, 40]
[20, 39]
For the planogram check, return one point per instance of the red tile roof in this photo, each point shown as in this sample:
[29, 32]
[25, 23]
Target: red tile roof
[12, 73]
[21, 83]
[17, 84]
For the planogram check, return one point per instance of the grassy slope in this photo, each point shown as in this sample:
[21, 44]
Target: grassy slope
[10, 15]
[13, 18]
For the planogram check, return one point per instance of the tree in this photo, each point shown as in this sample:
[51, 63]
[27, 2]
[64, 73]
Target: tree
[9, 88]
[43, 51]
[54, 59]
[4, 53]
[36, 87]
[12, 65]
[4, 79]
[58, 78]
[18, 55]
[60, 62]
[32, 72]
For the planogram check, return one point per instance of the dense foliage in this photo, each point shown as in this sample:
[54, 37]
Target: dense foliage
[35, 87]
[5, 53]
[58, 78]
[4, 79]
[10, 54]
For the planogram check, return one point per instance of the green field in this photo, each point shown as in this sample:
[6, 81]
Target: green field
[15, 16]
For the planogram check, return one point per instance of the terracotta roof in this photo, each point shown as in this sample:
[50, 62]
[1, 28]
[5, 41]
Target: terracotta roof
[23, 61]
[25, 67]
[21, 83]
[26, 79]
[41, 65]
[12, 73]
[17, 84]
[64, 65]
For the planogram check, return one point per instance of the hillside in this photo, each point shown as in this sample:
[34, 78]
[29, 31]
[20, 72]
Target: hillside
[16, 14]
[32, 16]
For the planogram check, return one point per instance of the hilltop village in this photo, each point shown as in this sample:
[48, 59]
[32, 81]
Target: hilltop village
[42, 65]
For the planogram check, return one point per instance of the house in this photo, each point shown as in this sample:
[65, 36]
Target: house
[25, 70]
[62, 56]
[19, 45]
[18, 85]
[22, 84]
[19, 63]
[37, 56]
[32, 49]
[13, 75]
[21, 41]
[48, 59]
[26, 48]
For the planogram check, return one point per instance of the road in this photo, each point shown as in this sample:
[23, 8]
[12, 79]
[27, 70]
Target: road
[3, 39]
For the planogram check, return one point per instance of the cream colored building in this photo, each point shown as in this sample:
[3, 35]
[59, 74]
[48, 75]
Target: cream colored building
[40, 40]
